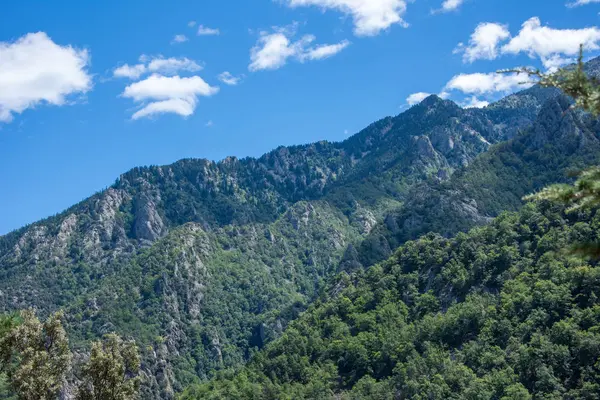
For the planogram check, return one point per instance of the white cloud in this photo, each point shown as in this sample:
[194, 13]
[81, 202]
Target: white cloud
[185, 108]
[206, 31]
[416, 98]
[179, 39]
[172, 65]
[451, 5]
[474, 102]
[578, 3]
[484, 42]
[490, 83]
[160, 87]
[161, 65]
[168, 94]
[547, 43]
[229, 79]
[35, 70]
[370, 16]
[129, 71]
[209, 124]
[324, 51]
[272, 51]
[553, 63]
[192, 24]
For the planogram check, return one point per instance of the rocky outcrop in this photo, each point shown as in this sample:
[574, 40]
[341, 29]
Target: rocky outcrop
[148, 225]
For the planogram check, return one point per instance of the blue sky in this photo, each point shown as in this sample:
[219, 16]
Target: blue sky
[73, 118]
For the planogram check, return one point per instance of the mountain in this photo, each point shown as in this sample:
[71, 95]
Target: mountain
[559, 142]
[503, 312]
[204, 263]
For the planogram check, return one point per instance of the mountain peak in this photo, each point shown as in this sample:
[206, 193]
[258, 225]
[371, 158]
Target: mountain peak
[432, 99]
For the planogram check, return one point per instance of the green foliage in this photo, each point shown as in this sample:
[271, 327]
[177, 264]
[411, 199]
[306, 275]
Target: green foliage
[35, 356]
[112, 372]
[585, 193]
[499, 313]
[573, 81]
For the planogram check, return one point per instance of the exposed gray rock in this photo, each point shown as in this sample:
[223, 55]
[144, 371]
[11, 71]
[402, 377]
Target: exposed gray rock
[148, 223]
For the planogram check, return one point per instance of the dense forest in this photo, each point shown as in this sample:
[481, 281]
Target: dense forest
[502, 312]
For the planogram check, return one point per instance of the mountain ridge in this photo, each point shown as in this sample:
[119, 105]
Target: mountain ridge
[205, 262]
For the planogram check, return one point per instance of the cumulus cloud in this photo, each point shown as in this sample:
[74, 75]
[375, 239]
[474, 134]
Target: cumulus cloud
[229, 79]
[484, 42]
[578, 3]
[546, 43]
[370, 16]
[206, 31]
[191, 24]
[179, 39]
[168, 94]
[416, 98]
[273, 50]
[165, 66]
[35, 70]
[490, 83]
[554, 47]
[160, 87]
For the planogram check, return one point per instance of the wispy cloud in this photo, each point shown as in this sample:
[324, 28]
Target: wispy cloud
[324, 51]
[179, 39]
[129, 71]
[158, 64]
[578, 3]
[206, 31]
[273, 50]
[229, 79]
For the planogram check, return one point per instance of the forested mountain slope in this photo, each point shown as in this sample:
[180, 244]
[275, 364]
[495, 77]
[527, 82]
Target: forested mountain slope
[204, 262]
[560, 142]
[503, 312]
